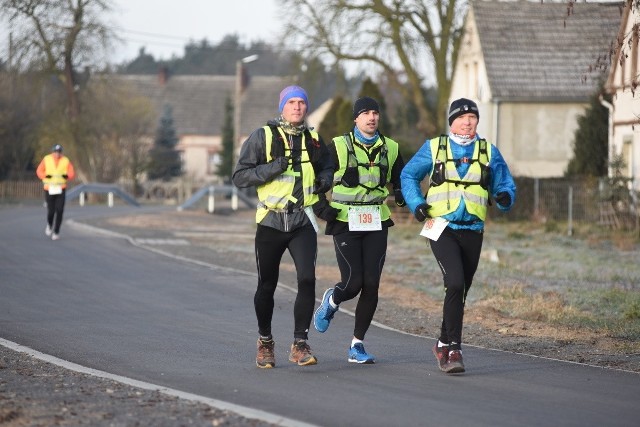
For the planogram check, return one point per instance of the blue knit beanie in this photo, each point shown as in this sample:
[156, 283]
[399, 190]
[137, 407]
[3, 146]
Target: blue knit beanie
[292, 92]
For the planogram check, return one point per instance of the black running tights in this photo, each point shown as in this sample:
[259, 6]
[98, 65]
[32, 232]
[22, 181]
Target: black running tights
[458, 254]
[270, 245]
[361, 256]
[55, 208]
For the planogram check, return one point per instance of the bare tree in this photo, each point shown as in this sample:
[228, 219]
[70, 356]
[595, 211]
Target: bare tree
[625, 43]
[115, 125]
[57, 36]
[412, 42]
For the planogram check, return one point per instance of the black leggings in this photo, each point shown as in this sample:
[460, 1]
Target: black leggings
[361, 256]
[270, 245]
[458, 254]
[55, 208]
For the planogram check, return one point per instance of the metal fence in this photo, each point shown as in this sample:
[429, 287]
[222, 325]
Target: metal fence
[553, 199]
[20, 190]
[596, 201]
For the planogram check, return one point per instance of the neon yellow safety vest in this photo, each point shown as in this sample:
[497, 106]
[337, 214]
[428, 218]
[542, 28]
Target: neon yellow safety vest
[369, 191]
[275, 194]
[445, 198]
[56, 171]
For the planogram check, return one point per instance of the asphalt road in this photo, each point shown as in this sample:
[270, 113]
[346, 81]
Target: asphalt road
[98, 301]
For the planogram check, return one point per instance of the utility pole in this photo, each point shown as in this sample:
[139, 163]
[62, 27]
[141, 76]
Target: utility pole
[237, 114]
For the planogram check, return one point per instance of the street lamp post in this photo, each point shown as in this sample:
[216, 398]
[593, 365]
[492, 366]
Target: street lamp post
[236, 121]
[237, 107]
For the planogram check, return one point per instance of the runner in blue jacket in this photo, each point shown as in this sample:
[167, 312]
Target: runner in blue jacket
[465, 172]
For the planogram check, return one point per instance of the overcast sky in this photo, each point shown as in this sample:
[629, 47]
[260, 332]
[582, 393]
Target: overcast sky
[164, 27]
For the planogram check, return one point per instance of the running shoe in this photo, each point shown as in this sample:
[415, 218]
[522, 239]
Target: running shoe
[266, 358]
[301, 354]
[454, 363]
[357, 354]
[441, 354]
[323, 315]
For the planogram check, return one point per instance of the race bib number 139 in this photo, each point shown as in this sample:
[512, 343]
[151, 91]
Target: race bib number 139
[364, 218]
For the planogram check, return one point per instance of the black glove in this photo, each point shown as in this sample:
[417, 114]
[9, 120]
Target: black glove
[397, 193]
[321, 186]
[65, 176]
[329, 213]
[503, 199]
[422, 212]
[283, 162]
[48, 176]
[324, 210]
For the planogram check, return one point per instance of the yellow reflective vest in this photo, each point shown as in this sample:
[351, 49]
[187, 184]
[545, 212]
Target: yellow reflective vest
[275, 194]
[56, 171]
[371, 188]
[445, 198]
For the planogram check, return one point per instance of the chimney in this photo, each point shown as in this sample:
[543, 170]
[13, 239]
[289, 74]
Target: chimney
[163, 75]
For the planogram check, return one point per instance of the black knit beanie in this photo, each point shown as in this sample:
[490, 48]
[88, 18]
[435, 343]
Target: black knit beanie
[462, 106]
[364, 104]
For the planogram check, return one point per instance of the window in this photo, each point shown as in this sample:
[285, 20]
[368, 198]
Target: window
[627, 155]
[213, 162]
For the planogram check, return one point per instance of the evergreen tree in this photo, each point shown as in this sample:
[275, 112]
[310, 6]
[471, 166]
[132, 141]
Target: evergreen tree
[338, 119]
[144, 63]
[226, 156]
[590, 145]
[164, 159]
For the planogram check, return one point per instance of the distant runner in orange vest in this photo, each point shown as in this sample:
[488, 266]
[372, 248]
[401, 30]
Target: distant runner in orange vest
[55, 170]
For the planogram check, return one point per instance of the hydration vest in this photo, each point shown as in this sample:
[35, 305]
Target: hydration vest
[363, 173]
[447, 187]
[276, 194]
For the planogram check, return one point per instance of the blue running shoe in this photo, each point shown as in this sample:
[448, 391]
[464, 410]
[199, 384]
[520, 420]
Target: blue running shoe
[324, 313]
[357, 354]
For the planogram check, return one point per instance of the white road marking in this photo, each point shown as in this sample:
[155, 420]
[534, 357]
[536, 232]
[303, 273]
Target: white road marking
[219, 404]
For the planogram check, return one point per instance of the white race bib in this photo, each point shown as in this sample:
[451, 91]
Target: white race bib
[55, 189]
[433, 227]
[364, 218]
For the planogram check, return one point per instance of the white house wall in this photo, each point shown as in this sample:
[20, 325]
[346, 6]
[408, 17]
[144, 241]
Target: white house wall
[470, 80]
[626, 136]
[196, 151]
[537, 139]
[625, 132]
[534, 138]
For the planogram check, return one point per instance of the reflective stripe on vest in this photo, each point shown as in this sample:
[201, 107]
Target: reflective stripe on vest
[56, 171]
[445, 198]
[369, 193]
[276, 194]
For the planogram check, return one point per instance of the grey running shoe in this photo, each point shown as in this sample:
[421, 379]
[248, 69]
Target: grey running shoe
[301, 354]
[266, 358]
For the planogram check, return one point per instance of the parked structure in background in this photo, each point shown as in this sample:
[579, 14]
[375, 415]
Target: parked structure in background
[624, 110]
[535, 64]
[198, 104]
